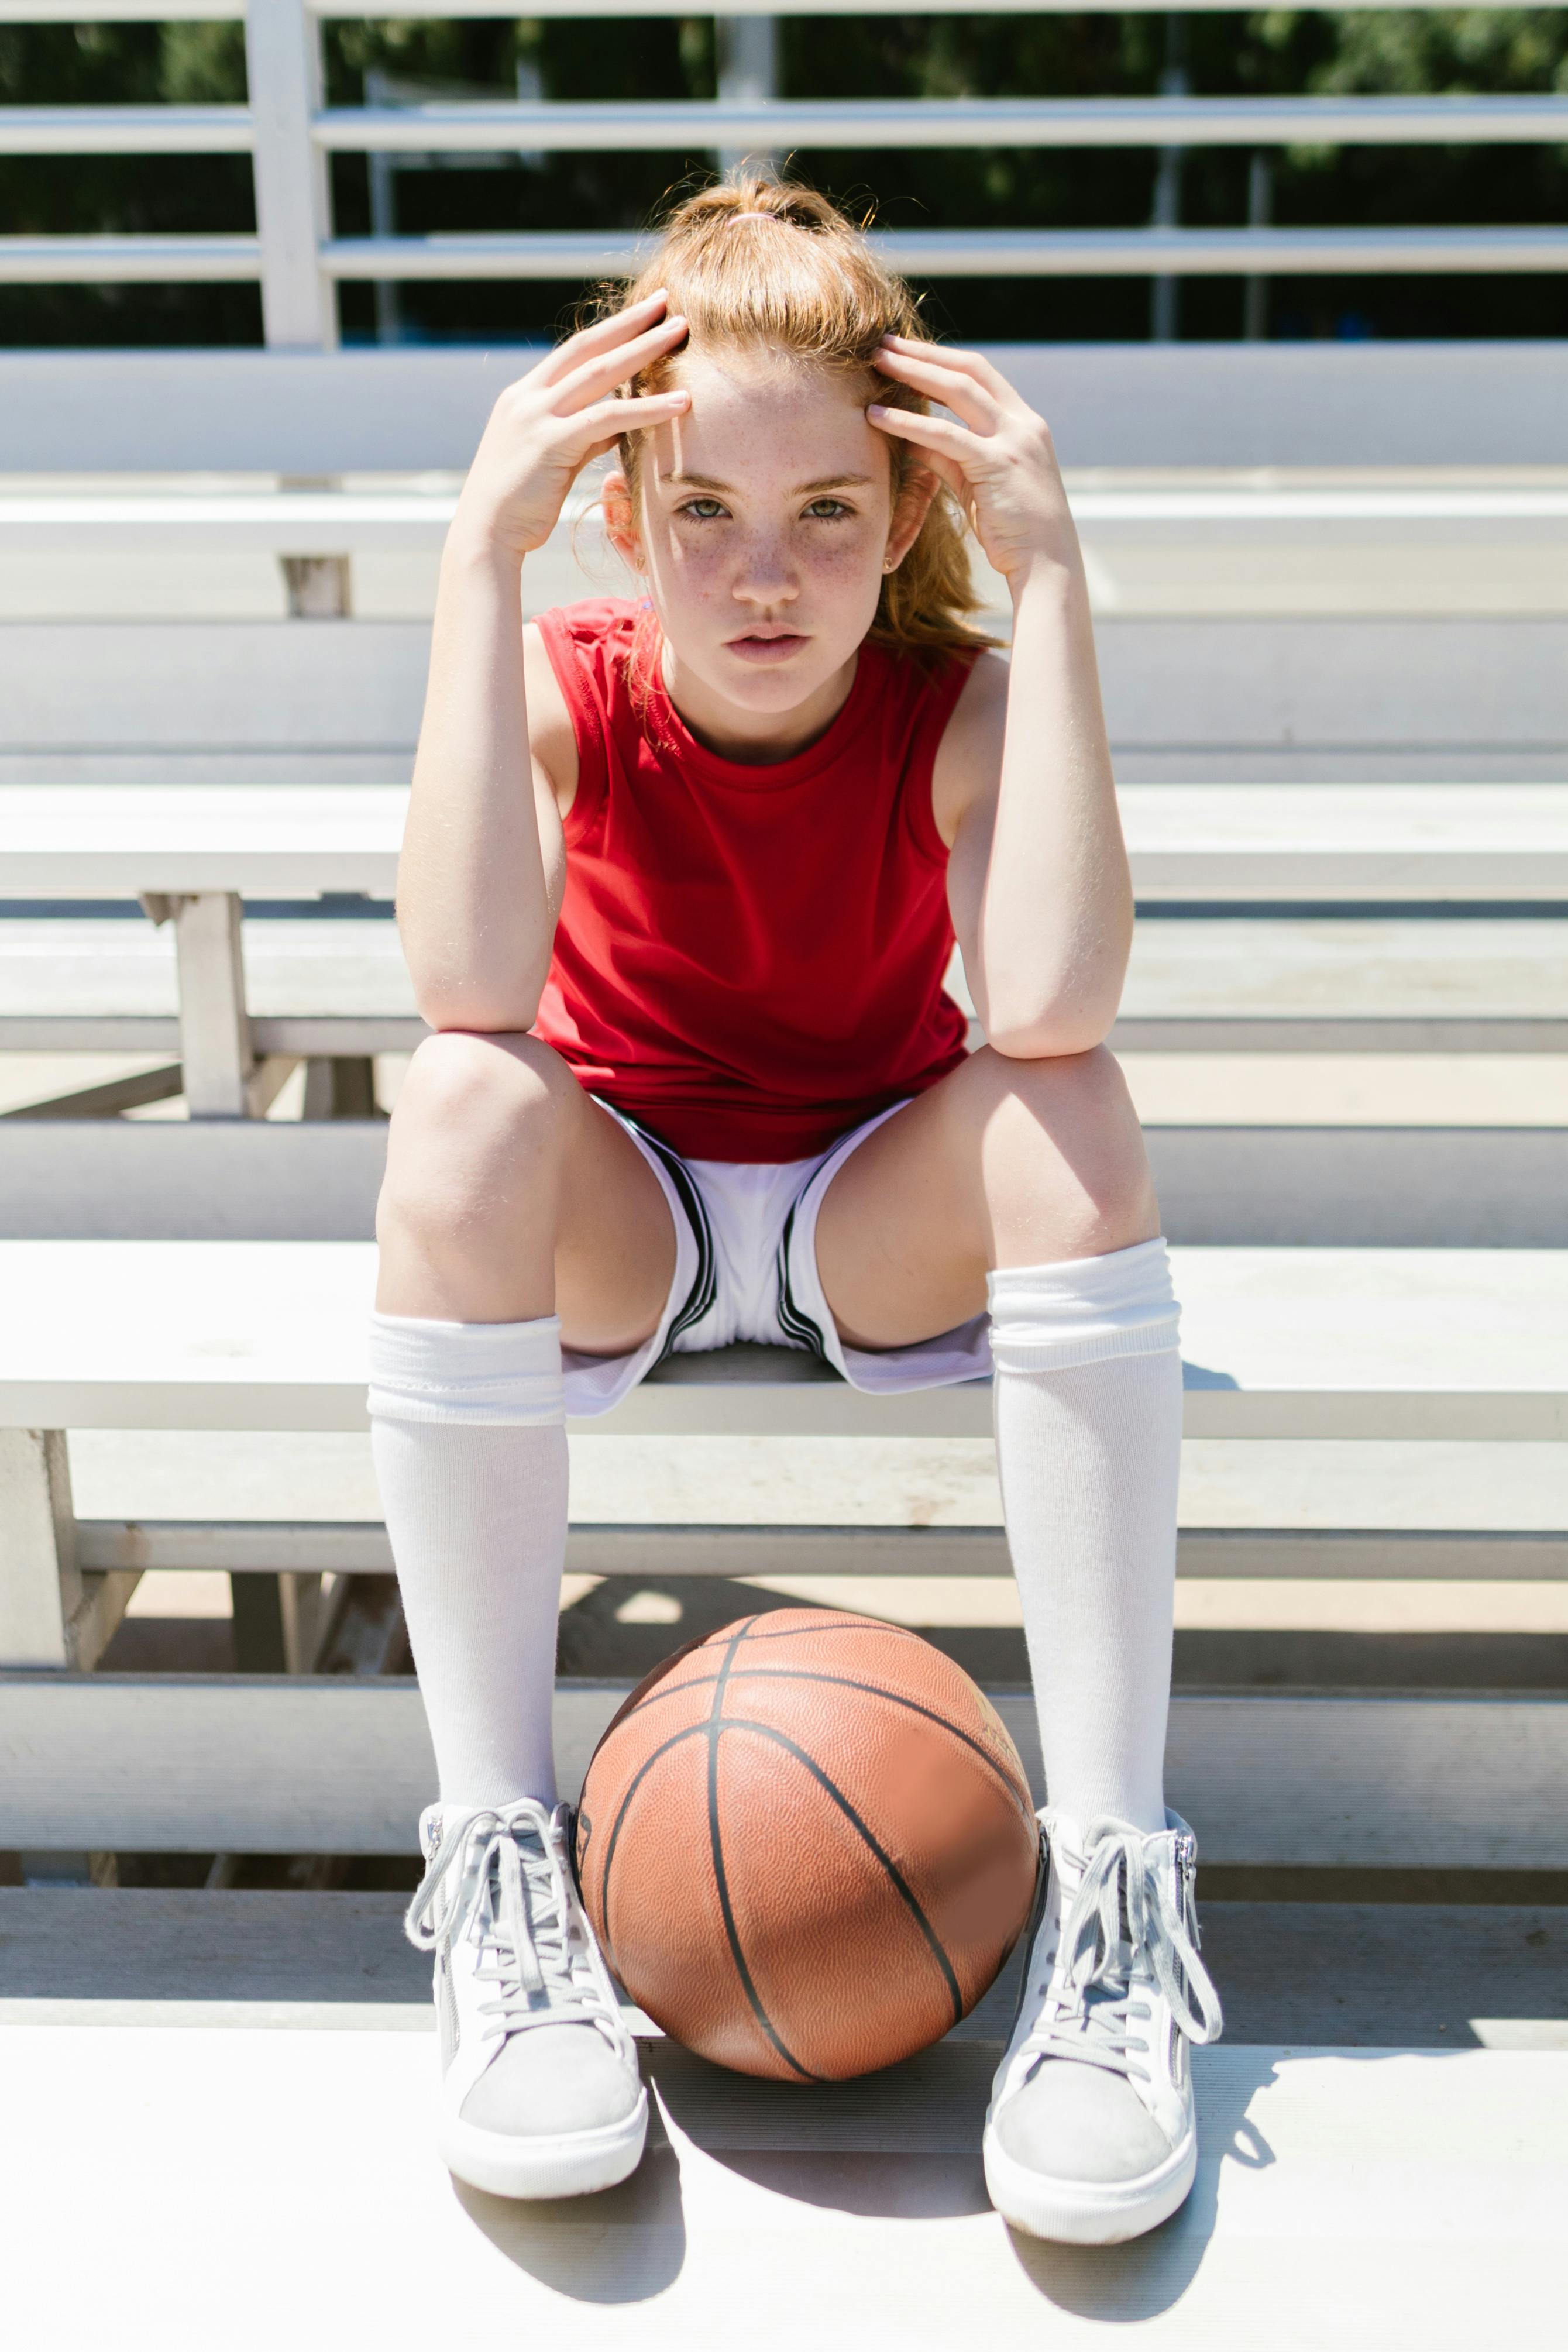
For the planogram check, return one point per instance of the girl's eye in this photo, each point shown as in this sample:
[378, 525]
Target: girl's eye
[703, 510]
[827, 509]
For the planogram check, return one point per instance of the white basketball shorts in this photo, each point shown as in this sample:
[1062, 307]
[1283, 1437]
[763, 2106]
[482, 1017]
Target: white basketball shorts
[745, 1268]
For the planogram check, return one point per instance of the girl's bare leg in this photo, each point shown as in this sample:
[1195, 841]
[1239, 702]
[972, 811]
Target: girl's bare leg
[510, 1194]
[1029, 1179]
[515, 1209]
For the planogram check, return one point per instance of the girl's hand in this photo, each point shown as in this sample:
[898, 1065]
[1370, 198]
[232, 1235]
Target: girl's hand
[1000, 463]
[544, 429]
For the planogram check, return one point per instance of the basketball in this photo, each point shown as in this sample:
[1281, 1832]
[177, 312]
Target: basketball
[807, 1844]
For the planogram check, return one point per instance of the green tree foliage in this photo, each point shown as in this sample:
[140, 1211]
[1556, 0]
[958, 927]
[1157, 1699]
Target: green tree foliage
[1274, 51]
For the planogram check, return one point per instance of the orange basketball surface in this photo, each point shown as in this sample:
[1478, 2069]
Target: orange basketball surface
[807, 1844]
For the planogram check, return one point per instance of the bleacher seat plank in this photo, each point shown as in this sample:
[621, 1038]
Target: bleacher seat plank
[1278, 1343]
[72, 1177]
[1211, 699]
[1326, 697]
[1188, 842]
[405, 408]
[1372, 2198]
[1346, 842]
[1298, 1972]
[1301, 515]
[274, 841]
[339, 1765]
[199, 688]
[1291, 982]
[1347, 984]
[338, 1548]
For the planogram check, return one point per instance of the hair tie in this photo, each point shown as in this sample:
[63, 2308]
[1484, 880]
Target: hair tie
[756, 215]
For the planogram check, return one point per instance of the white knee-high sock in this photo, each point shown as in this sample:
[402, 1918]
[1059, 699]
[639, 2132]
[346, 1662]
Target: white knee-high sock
[468, 1438]
[1088, 1442]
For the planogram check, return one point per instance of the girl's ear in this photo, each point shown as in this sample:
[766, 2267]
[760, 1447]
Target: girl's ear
[620, 518]
[914, 504]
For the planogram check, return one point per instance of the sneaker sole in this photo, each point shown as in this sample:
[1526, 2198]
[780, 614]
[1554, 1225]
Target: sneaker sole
[1088, 2213]
[571, 2164]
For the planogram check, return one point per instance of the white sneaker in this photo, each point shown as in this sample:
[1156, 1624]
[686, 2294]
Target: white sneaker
[1091, 2135]
[541, 2095]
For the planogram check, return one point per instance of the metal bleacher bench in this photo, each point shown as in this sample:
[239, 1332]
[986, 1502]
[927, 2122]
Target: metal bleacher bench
[1434, 1345]
[1348, 832]
[1303, 978]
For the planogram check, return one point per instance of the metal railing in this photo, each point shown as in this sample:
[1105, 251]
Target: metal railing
[299, 261]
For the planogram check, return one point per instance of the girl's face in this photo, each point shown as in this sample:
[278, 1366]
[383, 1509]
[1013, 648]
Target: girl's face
[763, 524]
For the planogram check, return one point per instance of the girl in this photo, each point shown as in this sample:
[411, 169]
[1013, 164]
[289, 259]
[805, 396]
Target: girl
[680, 882]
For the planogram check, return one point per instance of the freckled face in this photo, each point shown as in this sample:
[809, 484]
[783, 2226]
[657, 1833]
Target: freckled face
[764, 520]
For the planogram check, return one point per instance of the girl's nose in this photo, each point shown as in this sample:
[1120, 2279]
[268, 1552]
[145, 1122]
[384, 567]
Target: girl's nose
[764, 576]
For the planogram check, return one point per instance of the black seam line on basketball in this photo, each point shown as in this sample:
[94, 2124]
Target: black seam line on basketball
[827, 1624]
[894, 1698]
[701, 1682]
[767, 1732]
[645, 1767]
[736, 1635]
[714, 1726]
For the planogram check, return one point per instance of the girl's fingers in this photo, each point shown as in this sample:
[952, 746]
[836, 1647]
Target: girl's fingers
[974, 364]
[960, 393]
[946, 471]
[604, 335]
[614, 417]
[596, 376]
[954, 442]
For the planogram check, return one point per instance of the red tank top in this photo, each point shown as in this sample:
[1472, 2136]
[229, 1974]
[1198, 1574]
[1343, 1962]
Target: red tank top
[749, 959]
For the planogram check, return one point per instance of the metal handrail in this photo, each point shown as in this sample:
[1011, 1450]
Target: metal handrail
[290, 134]
[125, 131]
[995, 252]
[769, 124]
[129, 260]
[546, 255]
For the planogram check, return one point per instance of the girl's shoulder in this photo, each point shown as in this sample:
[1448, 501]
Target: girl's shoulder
[576, 659]
[918, 694]
[595, 636]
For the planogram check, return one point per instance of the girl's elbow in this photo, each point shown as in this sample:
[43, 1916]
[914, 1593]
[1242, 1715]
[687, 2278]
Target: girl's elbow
[1052, 1026]
[489, 1010]
[1052, 1037]
[477, 1016]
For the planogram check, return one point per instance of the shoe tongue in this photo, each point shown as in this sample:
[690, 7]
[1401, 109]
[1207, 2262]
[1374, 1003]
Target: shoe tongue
[1067, 1859]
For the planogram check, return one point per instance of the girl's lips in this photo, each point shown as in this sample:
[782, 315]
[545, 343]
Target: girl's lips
[766, 649]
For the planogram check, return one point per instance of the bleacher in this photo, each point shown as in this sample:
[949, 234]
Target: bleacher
[1331, 584]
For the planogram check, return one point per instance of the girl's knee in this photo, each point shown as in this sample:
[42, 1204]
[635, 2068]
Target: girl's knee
[464, 1089]
[1065, 1150]
[478, 1131]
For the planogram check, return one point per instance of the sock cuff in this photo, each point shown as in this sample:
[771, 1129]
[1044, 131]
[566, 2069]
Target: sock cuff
[484, 1375]
[1083, 1310]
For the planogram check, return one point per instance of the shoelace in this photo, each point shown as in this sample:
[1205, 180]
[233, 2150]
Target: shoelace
[1122, 1913]
[519, 1914]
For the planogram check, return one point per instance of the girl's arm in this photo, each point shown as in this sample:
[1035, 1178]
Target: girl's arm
[480, 880]
[1037, 879]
